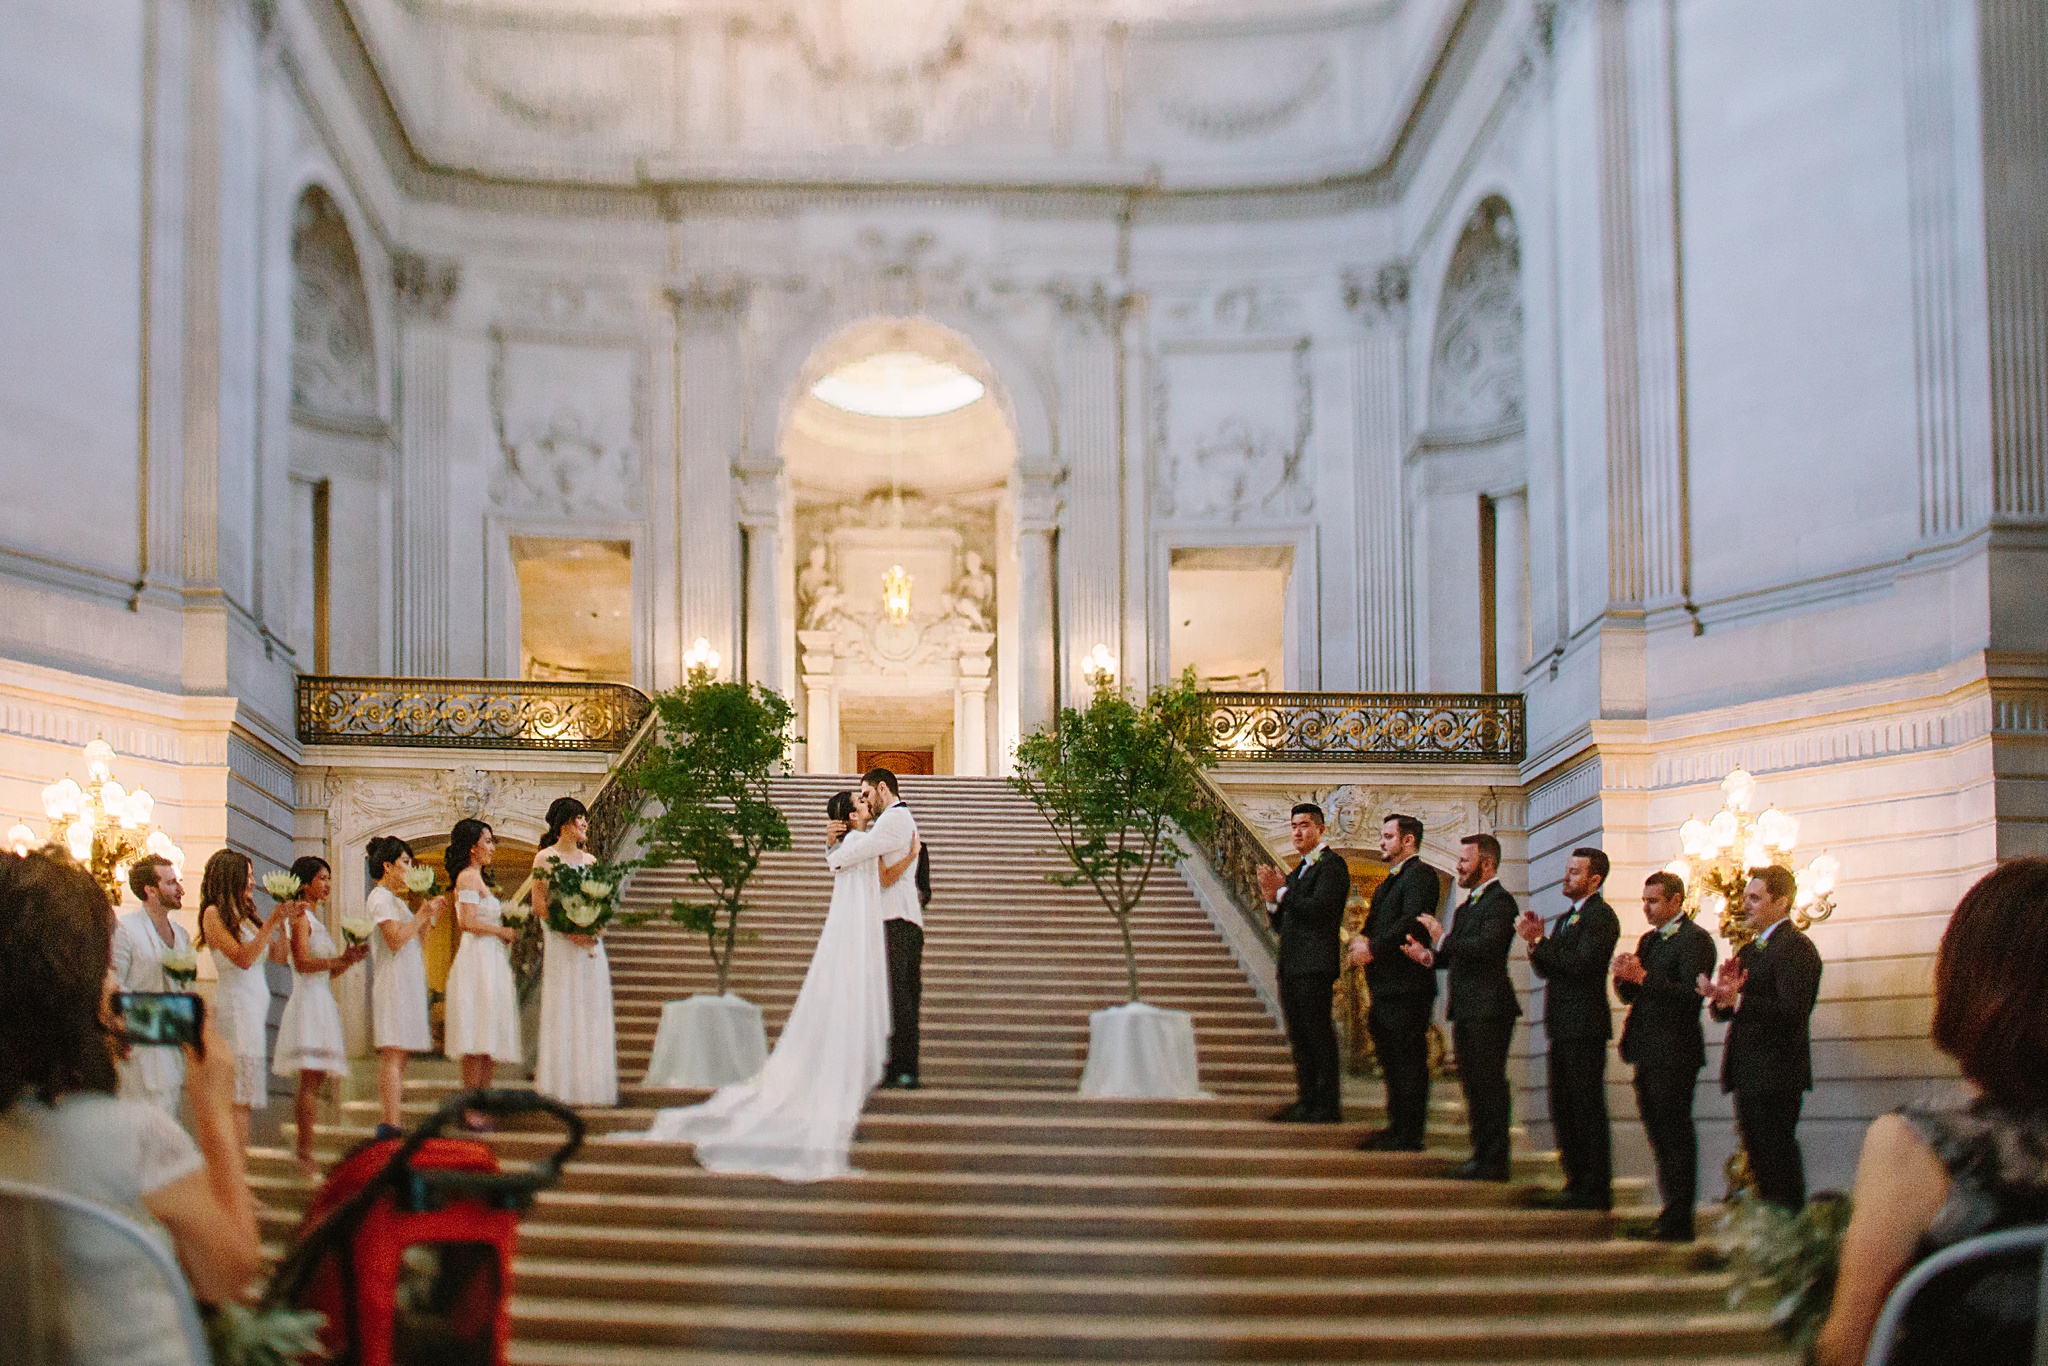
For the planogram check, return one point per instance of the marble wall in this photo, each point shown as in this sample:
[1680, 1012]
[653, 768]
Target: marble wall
[1688, 342]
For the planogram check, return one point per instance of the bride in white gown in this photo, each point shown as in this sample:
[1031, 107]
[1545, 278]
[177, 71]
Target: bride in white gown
[794, 1119]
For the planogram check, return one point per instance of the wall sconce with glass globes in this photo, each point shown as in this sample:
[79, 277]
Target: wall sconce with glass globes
[101, 824]
[1098, 666]
[1721, 853]
[700, 661]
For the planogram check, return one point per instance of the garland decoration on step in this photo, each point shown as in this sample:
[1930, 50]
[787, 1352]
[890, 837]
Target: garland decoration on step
[1786, 1260]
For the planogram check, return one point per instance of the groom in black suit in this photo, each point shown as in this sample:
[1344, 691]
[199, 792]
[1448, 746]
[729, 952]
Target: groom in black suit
[1307, 910]
[1403, 990]
[1474, 956]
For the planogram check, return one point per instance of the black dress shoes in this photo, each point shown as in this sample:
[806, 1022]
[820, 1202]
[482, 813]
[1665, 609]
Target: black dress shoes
[1471, 1170]
[1387, 1141]
[901, 1081]
[1286, 1114]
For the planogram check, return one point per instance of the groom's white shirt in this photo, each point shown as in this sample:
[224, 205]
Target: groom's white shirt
[887, 840]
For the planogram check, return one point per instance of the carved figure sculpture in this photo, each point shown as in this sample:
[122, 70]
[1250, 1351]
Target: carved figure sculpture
[816, 592]
[973, 593]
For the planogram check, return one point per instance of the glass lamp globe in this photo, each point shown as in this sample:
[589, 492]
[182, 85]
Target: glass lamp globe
[99, 760]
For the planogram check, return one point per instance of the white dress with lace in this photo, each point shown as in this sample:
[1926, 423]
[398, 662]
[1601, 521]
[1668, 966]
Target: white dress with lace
[576, 1060]
[795, 1118]
[241, 1009]
[483, 999]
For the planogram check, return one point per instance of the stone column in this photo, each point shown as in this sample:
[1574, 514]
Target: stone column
[821, 702]
[1511, 588]
[1036, 490]
[1379, 421]
[426, 292]
[710, 422]
[1091, 444]
[970, 706]
[760, 513]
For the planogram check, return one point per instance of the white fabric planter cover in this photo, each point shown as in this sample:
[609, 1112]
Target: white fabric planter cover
[1141, 1050]
[707, 1041]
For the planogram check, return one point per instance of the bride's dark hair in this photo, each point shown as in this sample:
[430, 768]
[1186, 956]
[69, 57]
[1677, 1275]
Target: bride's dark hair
[839, 807]
[561, 811]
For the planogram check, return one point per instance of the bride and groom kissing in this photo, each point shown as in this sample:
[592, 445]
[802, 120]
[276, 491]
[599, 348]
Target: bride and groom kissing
[854, 1026]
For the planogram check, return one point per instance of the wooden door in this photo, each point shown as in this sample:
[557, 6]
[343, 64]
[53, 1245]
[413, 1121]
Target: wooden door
[901, 762]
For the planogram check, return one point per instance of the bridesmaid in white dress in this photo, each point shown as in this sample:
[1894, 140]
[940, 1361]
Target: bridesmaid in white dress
[155, 1076]
[310, 1043]
[398, 982]
[483, 1000]
[578, 1062]
[239, 942]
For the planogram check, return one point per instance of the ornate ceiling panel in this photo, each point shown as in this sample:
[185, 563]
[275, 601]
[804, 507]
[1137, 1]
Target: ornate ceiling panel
[1082, 92]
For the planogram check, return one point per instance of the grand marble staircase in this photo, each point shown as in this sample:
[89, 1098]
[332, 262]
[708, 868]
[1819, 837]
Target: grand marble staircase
[1001, 1219]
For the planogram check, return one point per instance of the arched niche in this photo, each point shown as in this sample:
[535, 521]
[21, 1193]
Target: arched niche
[334, 361]
[1477, 382]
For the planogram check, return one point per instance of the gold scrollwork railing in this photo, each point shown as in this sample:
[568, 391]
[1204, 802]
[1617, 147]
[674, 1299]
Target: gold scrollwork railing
[1354, 727]
[619, 798]
[1236, 854]
[468, 713]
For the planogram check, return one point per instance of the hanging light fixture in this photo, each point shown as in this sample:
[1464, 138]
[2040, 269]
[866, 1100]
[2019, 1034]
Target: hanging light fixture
[700, 661]
[896, 594]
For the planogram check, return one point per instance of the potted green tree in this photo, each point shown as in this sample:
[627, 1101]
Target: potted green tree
[1117, 781]
[707, 773]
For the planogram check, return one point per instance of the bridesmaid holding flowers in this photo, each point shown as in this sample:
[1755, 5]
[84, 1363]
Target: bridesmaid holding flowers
[578, 1060]
[483, 1000]
[398, 986]
[310, 1043]
[239, 942]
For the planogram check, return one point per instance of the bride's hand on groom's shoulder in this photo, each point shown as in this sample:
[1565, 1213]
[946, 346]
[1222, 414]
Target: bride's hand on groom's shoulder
[835, 831]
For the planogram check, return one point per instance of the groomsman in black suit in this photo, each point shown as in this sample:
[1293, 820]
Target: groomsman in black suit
[1572, 959]
[1307, 911]
[1403, 990]
[1483, 1008]
[1659, 984]
[1768, 991]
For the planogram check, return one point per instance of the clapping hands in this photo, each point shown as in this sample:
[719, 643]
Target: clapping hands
[1530, 927]
[1629, 968]
[1724, 989]
[1270, 880]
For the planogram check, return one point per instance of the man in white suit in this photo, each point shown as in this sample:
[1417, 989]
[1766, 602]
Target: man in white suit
[895, 830]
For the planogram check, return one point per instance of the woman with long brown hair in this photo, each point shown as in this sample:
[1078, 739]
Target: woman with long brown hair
[228, 927]
[61, 1125]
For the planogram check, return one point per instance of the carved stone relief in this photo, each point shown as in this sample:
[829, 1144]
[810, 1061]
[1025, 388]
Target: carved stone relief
[334, 365]
[566, 417]
[1476, 380]
[1230, 430]
[1236, 89]
[934, 73]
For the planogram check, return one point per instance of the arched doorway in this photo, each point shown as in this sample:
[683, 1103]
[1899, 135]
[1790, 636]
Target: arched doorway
[897, 457]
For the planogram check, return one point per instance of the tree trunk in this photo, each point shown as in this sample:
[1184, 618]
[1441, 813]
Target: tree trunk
[1123, 924]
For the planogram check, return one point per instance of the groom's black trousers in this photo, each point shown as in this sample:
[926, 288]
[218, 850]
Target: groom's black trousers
[906, 991]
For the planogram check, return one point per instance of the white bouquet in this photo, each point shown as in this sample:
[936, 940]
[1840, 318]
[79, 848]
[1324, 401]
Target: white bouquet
[281, 886]
[355, 930]
[180, 965]
[420, 879]
[581, 900]
[516, 912]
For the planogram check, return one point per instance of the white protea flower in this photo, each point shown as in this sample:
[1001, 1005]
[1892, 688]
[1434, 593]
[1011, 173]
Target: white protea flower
[355, 929]
[593, 888]
[282, 886]
[180, 965]
[581, 912]
[419, 879]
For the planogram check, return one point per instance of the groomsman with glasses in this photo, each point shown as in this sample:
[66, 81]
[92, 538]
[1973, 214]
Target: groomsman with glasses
[1572, 958]
[1662, 1038]
[1483, 1008]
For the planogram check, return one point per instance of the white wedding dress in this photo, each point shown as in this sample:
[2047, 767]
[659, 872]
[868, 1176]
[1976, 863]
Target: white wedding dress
[794, 1119]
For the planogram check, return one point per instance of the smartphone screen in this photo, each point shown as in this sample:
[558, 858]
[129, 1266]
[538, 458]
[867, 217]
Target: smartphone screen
[160, 1017]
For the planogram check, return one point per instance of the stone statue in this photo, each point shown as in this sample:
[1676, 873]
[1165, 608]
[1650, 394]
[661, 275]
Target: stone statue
[817, 595]
[974, 593]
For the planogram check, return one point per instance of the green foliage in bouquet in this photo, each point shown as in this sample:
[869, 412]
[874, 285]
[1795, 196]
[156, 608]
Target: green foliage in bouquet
[708, 772]
[273, 1336]
[583, 900]
[1114, 781]
[1785, 1260]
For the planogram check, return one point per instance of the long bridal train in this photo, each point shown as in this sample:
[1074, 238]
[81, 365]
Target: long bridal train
[795, 1118]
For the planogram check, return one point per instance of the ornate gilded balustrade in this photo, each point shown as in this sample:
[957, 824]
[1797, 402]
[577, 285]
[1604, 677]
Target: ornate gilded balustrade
[1236, 854]
[617, 802]
[1378, 728]
[469, 713]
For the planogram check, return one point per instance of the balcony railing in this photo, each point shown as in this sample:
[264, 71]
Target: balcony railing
[1375, 728]
[469, 713]
[1236, 853]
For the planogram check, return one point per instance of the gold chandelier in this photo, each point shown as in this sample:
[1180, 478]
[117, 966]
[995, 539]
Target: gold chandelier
[1721, 854]
[101, 824]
